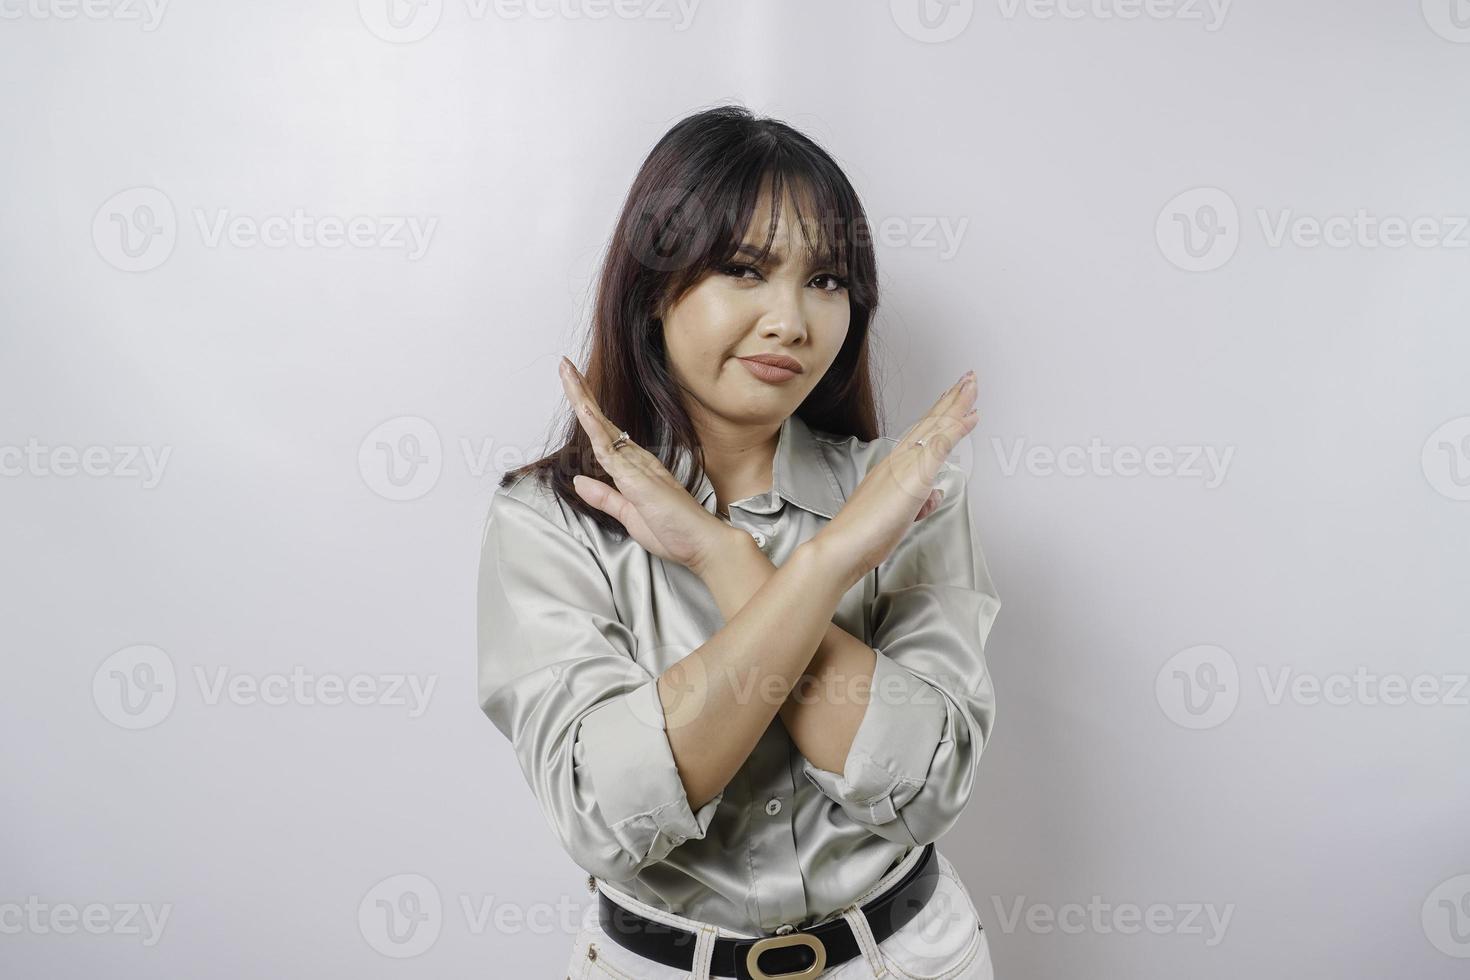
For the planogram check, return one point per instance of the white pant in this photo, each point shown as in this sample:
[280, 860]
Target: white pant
[945, 941]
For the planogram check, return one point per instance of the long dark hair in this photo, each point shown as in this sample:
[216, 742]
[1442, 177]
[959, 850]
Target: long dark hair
[685, 215]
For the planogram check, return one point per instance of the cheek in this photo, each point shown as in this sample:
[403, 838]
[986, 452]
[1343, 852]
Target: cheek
[697, 351]
[720, 313]
[834, 326]
[707, 327]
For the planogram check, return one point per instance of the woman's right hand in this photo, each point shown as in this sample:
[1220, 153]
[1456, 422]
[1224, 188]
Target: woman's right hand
[897, 491]
[652, 506]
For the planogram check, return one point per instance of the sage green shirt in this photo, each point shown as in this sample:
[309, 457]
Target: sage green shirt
[575, 627]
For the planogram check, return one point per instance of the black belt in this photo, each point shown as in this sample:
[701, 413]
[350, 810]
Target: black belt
[792, 956]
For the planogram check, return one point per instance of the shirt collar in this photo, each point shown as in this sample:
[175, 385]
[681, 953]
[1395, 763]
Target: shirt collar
[800, 473]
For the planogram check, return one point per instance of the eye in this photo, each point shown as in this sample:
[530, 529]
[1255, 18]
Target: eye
[838, 283]
[736, 270]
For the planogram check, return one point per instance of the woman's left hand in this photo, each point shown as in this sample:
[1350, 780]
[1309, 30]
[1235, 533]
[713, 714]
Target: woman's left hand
[655, 508]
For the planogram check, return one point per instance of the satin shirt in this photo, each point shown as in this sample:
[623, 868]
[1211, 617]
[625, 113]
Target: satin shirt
[574, 628]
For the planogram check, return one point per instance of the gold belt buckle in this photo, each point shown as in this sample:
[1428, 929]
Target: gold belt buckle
[776, 942]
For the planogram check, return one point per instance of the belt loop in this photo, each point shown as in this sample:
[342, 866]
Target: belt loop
[858, 922]
[704, 952]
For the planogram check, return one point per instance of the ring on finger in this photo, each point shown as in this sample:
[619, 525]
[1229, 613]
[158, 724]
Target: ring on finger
[621, 441]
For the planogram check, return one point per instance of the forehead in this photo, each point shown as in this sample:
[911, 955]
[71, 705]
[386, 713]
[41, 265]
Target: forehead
[799, 227]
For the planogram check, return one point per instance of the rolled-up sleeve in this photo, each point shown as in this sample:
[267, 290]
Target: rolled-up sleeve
[931, 706]
[557, 676]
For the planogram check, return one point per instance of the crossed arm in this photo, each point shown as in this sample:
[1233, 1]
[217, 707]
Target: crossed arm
[622, 769]
[822, 727]
[892, 729]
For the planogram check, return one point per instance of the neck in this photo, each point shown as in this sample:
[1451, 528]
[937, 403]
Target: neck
[739, 459]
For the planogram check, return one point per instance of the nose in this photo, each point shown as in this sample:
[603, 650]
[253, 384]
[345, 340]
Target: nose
[784, 319]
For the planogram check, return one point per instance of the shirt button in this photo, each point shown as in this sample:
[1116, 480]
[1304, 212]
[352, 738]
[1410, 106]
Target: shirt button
[773, 807]
[760, 539]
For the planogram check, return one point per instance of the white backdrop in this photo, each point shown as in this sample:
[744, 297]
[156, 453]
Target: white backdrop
[284, 289]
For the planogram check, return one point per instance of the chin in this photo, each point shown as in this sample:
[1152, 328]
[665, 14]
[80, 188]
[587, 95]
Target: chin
[762, 415]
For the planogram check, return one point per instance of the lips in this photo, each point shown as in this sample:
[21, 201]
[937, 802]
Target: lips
[776, 360]
[772, 368]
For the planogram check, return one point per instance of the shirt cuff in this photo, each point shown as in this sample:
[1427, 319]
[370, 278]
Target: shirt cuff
[624, 748]
[895, 743]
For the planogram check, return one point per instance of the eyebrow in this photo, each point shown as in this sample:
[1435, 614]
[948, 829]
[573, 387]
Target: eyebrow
[775, 255]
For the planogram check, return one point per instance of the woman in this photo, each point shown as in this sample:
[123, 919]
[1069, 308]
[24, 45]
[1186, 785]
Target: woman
[734, 635]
